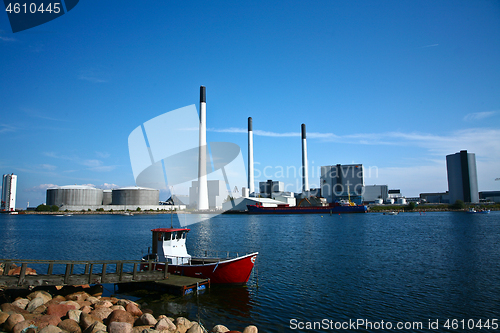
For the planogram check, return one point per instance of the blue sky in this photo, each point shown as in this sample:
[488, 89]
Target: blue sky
[394, 85]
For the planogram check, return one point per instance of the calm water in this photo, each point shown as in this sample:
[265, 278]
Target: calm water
[404, 268]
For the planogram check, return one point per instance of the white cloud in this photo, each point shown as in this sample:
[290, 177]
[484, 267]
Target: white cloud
[41, 187]
[48, 167]
[7, 39]
[479, 115]
[91, 76]
[6, 128]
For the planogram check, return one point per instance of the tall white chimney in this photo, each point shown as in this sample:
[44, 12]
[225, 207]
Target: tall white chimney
[251, 187]
[305, 181]
[202, 163]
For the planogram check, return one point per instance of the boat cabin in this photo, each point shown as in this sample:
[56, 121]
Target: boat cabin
[169, 244]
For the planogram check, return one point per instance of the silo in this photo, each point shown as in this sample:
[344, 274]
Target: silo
[74, 195]
[402, 201]
[106, 197]
[135, 196]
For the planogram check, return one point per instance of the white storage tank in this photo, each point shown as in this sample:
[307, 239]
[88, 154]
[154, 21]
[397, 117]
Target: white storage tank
[106, 197]
[74, 195]
[389, 201]
[379, 201]
[402, 201]
[135, 196]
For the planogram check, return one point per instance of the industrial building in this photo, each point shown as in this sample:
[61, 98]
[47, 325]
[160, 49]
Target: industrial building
[491, 196]
[270, 187]
[74, 195]
[83, 197]
[375, 194]
[9, 187]
[217, 193]
[462, 177]
[436, 197]
[340, 182]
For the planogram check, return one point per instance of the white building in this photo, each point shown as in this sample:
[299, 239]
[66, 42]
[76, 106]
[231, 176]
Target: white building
[217, 193]
[9, 186]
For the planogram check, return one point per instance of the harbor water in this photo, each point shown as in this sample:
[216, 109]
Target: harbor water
[314, 273]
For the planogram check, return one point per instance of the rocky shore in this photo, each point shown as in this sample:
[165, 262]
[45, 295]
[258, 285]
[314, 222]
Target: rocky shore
[77, 312]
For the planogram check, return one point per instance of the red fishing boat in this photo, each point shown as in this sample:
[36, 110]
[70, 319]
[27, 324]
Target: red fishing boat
[169, 246]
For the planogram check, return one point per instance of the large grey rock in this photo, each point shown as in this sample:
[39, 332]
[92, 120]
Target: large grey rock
[165, 324]
[35, 303]
[148, 319]
[74, 315]
[40, 293]
[96, 327]
[21, 303]
[119, 327]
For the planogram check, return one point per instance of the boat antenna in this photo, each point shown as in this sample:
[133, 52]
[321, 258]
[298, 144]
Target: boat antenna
[171, 218]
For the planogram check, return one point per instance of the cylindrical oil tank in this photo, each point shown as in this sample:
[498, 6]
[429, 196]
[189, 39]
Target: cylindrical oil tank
[135, 196]
[389, 201]
[379, 201]
[106, 197]
[402, 201]
[74, 195]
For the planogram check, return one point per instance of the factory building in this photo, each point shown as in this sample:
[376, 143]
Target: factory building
[492, 196]
[462, 177]
[340, 182]
[375, 193]
[74, 195]
[217, 193]
[83, 197]
[435, 197]
[9, 187]
[136, 196]
[270, 187]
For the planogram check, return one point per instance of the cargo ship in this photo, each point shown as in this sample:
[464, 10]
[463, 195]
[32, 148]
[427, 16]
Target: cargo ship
[341, 207]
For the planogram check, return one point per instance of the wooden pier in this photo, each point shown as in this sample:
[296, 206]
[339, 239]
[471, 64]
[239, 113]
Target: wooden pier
[71, 272]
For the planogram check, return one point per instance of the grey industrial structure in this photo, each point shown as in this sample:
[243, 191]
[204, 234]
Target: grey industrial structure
[375, 193]
[217, 193]
[339, 182]
[269, 187]
[78, 197]
[462, 177]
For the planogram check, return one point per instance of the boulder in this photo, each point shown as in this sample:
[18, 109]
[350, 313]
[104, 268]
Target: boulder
[183, 324]
[59, 310]
[75, 304]
[3, 317]
[47, 320]
[86, 320]
[123, 302]
[121, 316]
[83, 303]
[79, 296]
[86, 309]
[21, 303]
[147, 319]
[95, 327]
[74, 315]
[117, 307]
[141, 328]
[35, 303]
[12, 321]
[251, 329]
[103, 304]
[196, 328]
[17, 271]
[39, 310]
[55, 300]
[10, 309]
[92, 299]
[70, 325]
[120, 327]
[40, 293]
[101, 313]
[50, 329]
[22, 326]
[133, 309]
[220, 329]
[165, 324]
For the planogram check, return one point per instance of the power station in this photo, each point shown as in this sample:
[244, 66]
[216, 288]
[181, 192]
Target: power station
[9, 187]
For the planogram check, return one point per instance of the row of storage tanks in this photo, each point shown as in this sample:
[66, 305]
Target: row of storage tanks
[81, 195]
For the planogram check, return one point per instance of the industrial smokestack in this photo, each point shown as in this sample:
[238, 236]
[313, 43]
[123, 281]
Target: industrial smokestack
[305, 181]
[202, 163]
[251, 187]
